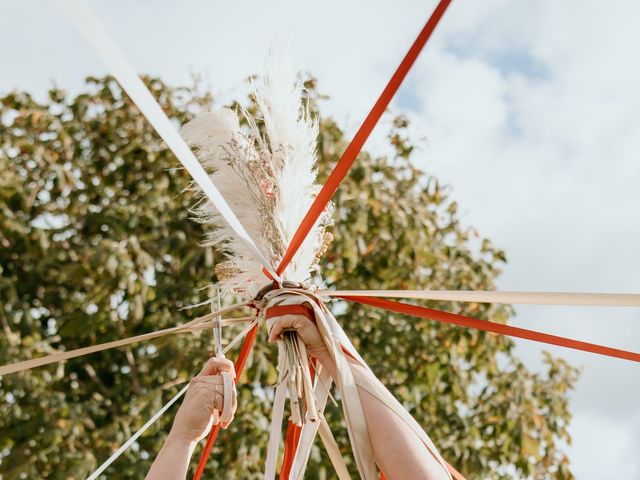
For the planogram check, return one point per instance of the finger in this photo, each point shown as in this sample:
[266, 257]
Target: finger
[210, 367]
[207, 380]
[215, 365]
[207, 394]
[228, 422]
[219, 398]
[285, 322]
[228, 366]
[216, 416]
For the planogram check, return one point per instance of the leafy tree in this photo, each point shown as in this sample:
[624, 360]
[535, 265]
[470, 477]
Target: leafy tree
[96, 244]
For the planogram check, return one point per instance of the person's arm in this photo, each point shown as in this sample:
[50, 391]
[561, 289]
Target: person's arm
[199, 411]
[398, 451]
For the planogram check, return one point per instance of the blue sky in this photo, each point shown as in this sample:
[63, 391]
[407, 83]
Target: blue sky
[527, 108]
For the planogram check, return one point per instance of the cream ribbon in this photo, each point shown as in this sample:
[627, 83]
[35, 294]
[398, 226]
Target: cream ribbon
[229, 389]
[275, 432]
[521, 298]
[310, 429]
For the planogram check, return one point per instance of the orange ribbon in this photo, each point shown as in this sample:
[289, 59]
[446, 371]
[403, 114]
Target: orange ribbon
[486, 326]
[352, 151]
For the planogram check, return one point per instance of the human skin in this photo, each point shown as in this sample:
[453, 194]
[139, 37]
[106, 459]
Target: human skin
[397, 450]
[200, 410]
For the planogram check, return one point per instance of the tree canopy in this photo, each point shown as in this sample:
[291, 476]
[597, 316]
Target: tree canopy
[96, 244]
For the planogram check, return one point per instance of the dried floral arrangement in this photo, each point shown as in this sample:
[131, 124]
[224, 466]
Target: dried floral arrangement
[264, 164]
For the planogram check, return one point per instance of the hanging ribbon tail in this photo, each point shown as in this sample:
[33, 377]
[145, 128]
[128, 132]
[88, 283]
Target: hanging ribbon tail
[310, 429]
[277, 415]
[487, 326]
[352, 374]
[333, 451]
[291, 440]
[455, 473]
[290, 450]
[352, 151]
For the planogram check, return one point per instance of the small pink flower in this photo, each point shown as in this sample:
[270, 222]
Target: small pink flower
[267, 189]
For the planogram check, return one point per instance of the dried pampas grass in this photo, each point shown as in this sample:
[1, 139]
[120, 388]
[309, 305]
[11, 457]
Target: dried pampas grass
[267, 175]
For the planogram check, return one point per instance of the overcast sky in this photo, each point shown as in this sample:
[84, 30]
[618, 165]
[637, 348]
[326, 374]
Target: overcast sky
[529, 110]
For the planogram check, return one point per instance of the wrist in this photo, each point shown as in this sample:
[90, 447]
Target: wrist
[173, 458]
[180, 439]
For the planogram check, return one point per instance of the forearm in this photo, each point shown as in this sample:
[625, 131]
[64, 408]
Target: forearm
[172, 461]
[398, 451]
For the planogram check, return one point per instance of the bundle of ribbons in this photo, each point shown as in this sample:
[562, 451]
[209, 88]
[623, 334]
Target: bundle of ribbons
[275, 228]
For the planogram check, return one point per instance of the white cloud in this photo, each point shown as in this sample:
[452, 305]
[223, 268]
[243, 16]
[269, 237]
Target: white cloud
[530, 113]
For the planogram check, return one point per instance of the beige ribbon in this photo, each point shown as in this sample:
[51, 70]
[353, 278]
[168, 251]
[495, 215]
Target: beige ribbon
[521, 298]
[275, 432]
[229, 392]
[197, 324]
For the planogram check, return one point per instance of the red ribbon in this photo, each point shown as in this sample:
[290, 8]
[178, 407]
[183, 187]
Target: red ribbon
[352, 151]
[280, 310]
[486, 326]
[292, 439]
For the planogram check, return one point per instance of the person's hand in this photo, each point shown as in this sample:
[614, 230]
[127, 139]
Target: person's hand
[306, 329]
[203, 402]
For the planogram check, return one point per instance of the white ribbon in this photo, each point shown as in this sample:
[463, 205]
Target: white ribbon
[89, 25]
[309, 429]
[275, 432]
